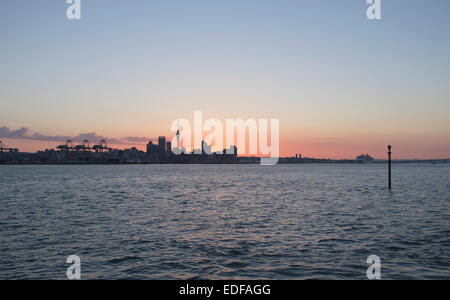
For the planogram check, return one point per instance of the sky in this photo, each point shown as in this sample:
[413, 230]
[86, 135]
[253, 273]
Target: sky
[339, 83]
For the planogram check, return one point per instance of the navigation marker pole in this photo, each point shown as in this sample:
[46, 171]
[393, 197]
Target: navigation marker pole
[389, 167]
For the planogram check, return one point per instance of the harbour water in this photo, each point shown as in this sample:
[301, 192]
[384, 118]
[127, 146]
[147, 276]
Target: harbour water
[312, 221]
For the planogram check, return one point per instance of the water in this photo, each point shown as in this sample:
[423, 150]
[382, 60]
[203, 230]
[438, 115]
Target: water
[224, 222]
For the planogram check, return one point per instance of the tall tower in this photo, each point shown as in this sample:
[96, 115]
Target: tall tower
[178, 136]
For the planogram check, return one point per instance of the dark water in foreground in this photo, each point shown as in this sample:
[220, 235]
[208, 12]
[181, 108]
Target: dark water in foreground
[224, 222]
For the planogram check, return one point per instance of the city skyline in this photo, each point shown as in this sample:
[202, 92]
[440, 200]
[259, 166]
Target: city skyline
[340, 84]
[35, 142]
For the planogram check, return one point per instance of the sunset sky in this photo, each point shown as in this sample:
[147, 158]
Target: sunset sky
[340, 84]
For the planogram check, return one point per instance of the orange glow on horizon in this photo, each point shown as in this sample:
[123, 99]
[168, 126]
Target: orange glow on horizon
[314, 147]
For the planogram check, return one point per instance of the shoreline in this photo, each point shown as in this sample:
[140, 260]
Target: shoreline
[253, 162]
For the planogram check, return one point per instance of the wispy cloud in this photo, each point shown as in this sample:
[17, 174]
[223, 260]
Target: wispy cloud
[25, 134]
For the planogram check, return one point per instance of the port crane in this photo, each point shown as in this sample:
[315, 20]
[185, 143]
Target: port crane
[5, 148]
[85, 146]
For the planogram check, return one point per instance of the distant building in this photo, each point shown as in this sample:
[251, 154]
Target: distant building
[152, 148]
[169, 148]
[206, 149]
[232, 151]
[162, 145]
[364, 158]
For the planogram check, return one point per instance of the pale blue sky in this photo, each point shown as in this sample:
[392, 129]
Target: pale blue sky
[128, 68]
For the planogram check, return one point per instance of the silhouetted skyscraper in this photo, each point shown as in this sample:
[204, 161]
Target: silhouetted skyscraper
[206, 149]
[152, 148]
[162, 144]
[232, 151]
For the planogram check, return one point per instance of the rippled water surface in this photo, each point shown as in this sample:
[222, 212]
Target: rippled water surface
[224, 222]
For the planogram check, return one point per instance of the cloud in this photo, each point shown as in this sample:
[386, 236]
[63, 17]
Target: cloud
[92, 137]
[40, 137]
[136, 139]
[5, 132]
